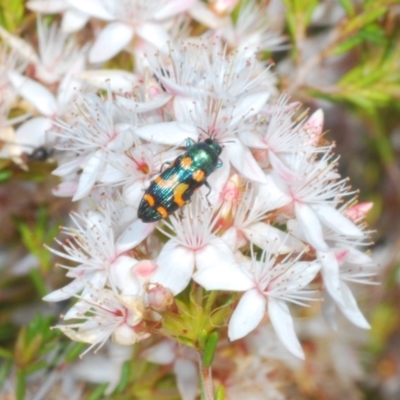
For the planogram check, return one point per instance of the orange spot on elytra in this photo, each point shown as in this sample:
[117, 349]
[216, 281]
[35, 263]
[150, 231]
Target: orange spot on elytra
[198, 175]
[150, 199]
[186, 162]
[163, 212]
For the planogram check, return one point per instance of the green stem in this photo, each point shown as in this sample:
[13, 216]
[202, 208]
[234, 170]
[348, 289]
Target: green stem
[206, 385]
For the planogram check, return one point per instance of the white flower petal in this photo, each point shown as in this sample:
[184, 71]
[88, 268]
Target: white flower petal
[175, 267]
[266, 236]
[272, 195]
[73, 21]
[331, 275]
[249, 105]
[65, 189]
[284, 172]
[111, 40]
[121, 275]
[94, 8]
[88, 177]
[216, 252]
[247, 315]
[171, 133]
[335, 220]
[329, 310]
[295, 278]
[310, 226]
[282, 322]
[244, 162]
[47, 7]
[32, 133]
[223, 277]
[117, 80]
[69, 166]
[186, 378]
[135, 233]
[350, 308]
[35, 93]
[67, 291]
[170, 8]
[156, 102]
[154, 34]
[163, 352]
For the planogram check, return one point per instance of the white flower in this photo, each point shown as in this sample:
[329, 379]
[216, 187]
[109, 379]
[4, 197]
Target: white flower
[267, 284]
[193, 245]
[128, 20]
[99, 250]
[108, 314]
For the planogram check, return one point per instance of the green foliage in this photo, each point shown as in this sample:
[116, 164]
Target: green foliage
[11, 14]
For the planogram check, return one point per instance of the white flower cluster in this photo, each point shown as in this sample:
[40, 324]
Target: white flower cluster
[278, 216]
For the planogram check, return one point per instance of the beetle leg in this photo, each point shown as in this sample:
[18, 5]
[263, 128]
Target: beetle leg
[209, 191]
[189, 142]
[219, 163]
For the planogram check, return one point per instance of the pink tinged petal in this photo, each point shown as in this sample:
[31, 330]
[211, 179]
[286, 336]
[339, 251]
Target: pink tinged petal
[284, 172]
[32, 133]
[70, 166]
[155, 103]
[67, 291]
[331, 275]
[310, 226]
[135, 233]
[226, 277]
[95, 8]
[111, 40]
[337, 221]
[163, 352]
[90, 172]
[216, 252]
[21, 46]
[170, 8]
[186, 378]
[65, 189]
[73, 21]
[117, 80]
[247, 315]
[313, 127]
[264, 235]
[47, 7]
[35, 93]
[249, 105]
[154, 34]
[359, 210]
[282, 322]
[350, 309]
[175, 267]
[170, 133]
[244, 162]
[329, 310]
[144, 269]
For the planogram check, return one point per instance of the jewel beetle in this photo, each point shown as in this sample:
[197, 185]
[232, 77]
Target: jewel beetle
[174, 187]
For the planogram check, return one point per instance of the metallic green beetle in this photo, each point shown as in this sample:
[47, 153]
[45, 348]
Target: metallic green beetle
[174, 187]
